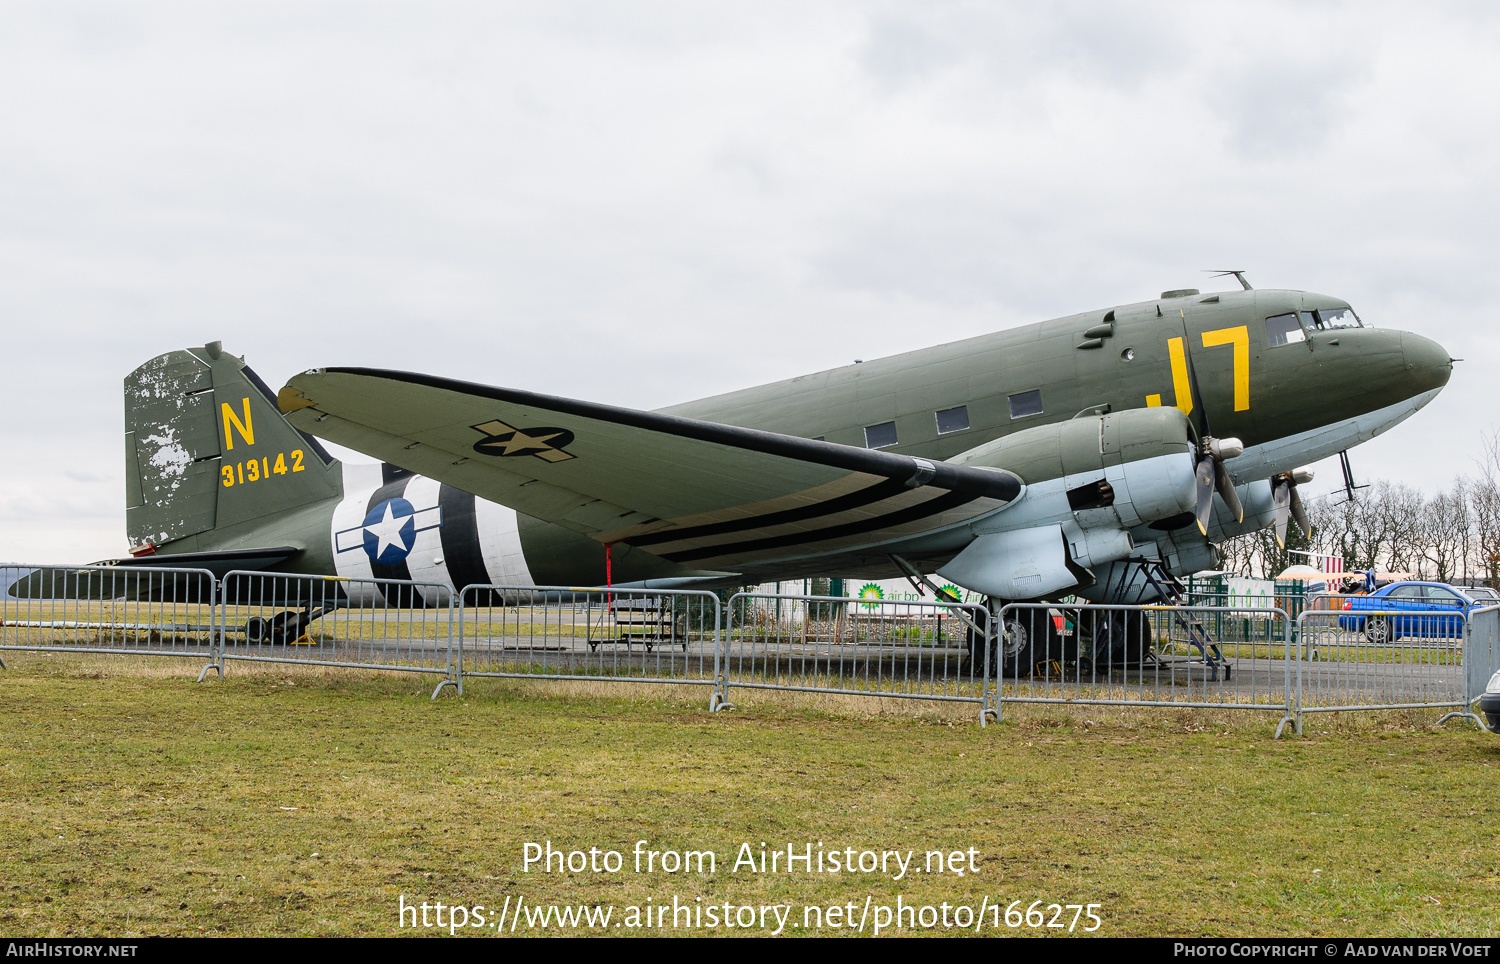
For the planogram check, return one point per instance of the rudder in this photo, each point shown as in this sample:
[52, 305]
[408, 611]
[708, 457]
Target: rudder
[206, 447]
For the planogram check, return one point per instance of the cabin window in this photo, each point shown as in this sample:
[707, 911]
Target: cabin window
[880, 436]
[1283, 330]
[1023, 404]
[953, 419]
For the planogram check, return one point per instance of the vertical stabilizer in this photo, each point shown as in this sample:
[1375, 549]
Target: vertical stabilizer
[206, 448]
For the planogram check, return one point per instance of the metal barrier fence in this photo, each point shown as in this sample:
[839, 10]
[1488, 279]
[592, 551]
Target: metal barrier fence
[1338, 655]
[1481, 653]
[856, 647]
[1214, 657]
[609, 635]
[387, 624]
[109, 609]
[1381, 653]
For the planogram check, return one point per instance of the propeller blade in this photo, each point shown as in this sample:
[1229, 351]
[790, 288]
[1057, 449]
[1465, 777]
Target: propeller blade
[1225, 486]
[1205, 474]
[1281, 492]
[1299, 513]
[1192, 376]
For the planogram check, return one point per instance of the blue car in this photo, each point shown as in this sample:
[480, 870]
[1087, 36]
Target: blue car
[1434, 609]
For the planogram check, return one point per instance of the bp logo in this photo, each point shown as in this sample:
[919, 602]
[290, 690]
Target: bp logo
[871, 591]
[953, 591]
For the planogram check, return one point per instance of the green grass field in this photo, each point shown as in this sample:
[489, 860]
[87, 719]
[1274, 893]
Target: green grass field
[282, 801]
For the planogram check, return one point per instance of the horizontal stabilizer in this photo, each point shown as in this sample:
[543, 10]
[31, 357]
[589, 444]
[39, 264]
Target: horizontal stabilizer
[218, 563]
[140, 577]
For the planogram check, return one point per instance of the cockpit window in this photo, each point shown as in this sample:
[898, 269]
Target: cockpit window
[1338, 318]
[1283, 330]
[1294, 326]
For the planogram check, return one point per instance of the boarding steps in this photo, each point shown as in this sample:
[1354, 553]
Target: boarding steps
[1174, 597]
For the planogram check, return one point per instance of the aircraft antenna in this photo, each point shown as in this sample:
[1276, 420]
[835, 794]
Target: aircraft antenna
[1349, 485]
[1239, 275]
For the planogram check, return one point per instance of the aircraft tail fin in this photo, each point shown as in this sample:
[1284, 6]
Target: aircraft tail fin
[207, 448]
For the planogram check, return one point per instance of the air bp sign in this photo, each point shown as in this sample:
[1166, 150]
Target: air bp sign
[872, 594]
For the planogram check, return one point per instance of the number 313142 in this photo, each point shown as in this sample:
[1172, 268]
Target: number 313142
[254, 470]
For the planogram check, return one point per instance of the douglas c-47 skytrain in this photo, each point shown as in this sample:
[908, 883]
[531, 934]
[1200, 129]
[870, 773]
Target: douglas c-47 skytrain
[1025, 464]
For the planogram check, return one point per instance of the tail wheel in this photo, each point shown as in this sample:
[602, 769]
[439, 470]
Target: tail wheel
[281, 629]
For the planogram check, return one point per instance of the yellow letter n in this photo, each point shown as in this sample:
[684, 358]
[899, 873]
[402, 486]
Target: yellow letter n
[247, 430]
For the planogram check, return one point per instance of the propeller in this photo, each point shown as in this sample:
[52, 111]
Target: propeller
[1284, 492]
[1214, 477]
[1212, 452]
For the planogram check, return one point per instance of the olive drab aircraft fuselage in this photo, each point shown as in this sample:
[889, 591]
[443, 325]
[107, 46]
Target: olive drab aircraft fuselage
[1021, 464]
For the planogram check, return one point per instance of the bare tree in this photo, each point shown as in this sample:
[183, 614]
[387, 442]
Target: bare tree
[1453, 535]
[1441, 542]
[1239, 555]
[1484, 508]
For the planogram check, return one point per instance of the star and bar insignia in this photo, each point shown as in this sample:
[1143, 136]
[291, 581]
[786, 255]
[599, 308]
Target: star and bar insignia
[507, 441]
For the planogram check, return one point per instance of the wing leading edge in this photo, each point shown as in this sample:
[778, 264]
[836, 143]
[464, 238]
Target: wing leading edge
[687, 490]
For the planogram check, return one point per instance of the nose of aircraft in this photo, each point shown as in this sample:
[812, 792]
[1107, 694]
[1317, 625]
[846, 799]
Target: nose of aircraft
[1428, 364]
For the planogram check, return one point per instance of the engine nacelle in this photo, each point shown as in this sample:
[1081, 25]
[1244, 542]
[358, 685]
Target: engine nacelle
[1123, 469]
[1088, 482]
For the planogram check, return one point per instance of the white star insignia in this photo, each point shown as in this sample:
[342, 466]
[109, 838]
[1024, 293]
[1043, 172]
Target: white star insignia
[388, 531]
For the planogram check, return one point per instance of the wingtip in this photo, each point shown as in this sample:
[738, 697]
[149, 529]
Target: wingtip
[290, 400]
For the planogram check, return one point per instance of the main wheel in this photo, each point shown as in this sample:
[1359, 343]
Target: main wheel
[1015, 648]
[1125, 642]
[1028, 638]
[287, 627]
[1137, 638]
[974, 642]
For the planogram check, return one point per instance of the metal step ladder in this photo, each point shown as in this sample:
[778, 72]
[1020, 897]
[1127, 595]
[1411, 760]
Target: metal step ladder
[1174, 597]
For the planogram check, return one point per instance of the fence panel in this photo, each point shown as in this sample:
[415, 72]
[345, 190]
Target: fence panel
[387, 624]
[607, 635]
[857, 647]
[1380, 654]
[1192, 656]
[1481, 652]
[108, 609]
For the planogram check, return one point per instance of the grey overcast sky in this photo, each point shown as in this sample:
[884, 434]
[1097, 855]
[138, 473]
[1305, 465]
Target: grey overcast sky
[642, 203]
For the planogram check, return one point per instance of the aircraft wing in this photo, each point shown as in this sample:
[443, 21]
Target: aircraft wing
[688, 490]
